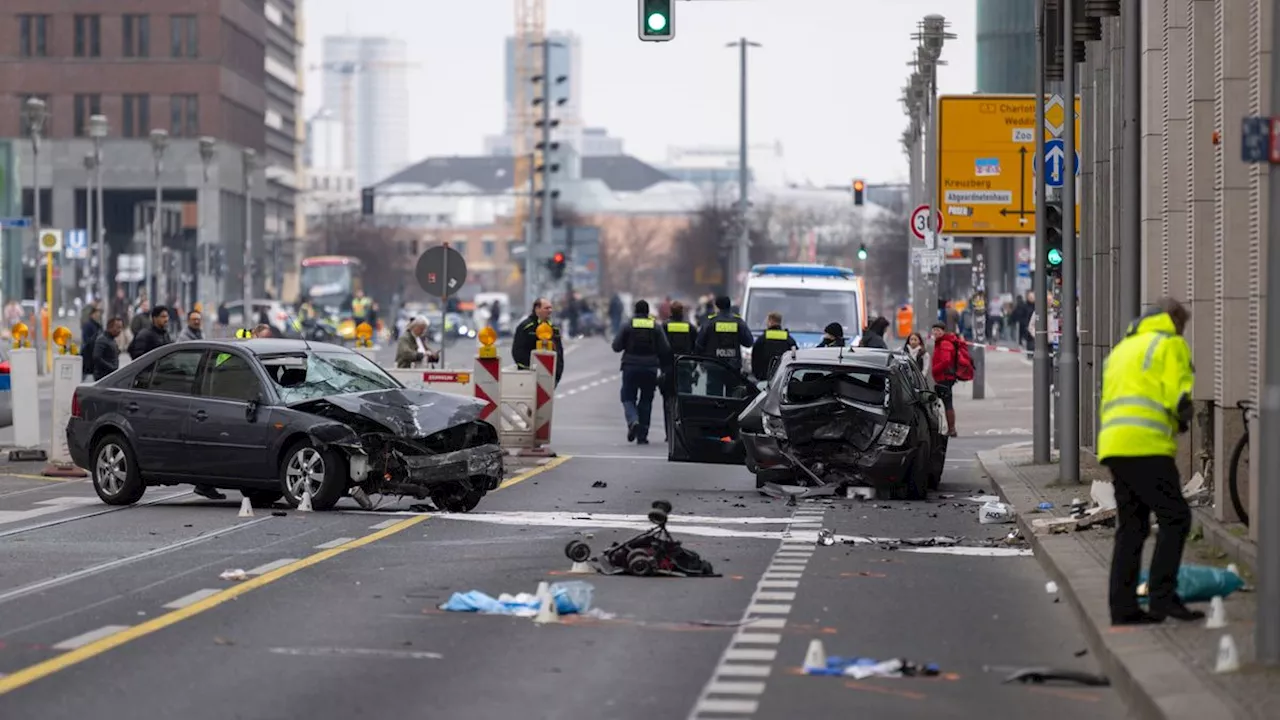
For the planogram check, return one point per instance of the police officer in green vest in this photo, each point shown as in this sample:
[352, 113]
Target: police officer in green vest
[643, 344]
[680, 336]
[723, 336]
[770, 347]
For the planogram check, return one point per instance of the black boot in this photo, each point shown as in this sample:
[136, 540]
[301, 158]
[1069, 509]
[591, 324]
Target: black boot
[1177, 611]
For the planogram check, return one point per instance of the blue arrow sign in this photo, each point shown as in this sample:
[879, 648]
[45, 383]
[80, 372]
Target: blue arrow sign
[15, 222]
[77, 244]
[1055, 160]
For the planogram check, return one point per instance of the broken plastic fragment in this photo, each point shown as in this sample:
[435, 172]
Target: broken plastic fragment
[826, 537]
[236, 574]
[994, 513]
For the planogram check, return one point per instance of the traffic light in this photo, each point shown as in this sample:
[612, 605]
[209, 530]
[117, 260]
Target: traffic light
[556, 266]
[1052, 251]
[657, 20]
[859, 188]
[862, 252]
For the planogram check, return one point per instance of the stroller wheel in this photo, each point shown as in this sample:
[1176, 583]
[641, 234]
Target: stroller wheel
[662, 505]
[639, 563]
[577, 551]
[657, 517]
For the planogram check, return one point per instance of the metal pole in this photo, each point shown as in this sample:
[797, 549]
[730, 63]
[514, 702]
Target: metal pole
[1268, 630]
[740, 265]
[1068, 357]
[1040, 359]
[930, 280]
[1130, 270]
[153, 241]
[88, 233]
[247, 289]
[38, 331]
[444, 303]
[547, 101]
[100, 232]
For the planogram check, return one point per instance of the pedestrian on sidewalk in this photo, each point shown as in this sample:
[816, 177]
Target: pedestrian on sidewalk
[948, 350]
[1145, 405]
[642, 344]
[919, 354]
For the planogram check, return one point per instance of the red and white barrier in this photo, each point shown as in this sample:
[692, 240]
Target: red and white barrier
[487, 384]
[451, 382]
[544, 368]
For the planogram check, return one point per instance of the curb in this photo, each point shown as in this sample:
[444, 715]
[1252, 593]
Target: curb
[1154, 685]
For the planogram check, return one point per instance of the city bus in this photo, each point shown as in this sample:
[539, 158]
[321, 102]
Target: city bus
[330, 281]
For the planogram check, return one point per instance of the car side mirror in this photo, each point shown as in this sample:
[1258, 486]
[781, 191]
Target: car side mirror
[927, 396]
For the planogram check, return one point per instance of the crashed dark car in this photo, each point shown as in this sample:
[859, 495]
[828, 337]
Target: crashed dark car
[830, 417]
[278, 419]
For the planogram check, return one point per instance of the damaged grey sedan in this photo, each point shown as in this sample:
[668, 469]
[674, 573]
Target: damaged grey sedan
[279, 420]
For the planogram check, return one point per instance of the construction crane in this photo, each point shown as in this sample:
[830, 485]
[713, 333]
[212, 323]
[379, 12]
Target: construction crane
[531, 27]
[348, 70]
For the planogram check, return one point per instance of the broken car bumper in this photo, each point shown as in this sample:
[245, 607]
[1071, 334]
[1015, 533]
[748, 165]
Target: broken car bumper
[478, 464]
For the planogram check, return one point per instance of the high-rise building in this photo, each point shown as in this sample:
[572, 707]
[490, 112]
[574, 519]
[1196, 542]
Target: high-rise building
[220, 70]
[366, 82]
[284, 221]
[331, 183]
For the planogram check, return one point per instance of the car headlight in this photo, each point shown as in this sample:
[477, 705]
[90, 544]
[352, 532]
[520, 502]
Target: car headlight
[773, 427]
[895, 434]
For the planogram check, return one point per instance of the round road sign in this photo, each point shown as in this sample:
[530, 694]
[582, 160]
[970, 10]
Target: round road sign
[441, 271]
[920, 221]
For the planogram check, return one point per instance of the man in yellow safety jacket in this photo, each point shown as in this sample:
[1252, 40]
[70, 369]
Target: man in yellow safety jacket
[770, 347]
[1146, 403]
[360, 307]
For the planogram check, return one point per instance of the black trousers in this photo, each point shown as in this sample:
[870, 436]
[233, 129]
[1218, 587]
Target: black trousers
[1145, 485]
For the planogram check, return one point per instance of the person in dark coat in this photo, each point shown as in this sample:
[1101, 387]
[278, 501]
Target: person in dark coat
[89, 331]
[152, 336]
[833, 336]
[873, 335]
[104, 354]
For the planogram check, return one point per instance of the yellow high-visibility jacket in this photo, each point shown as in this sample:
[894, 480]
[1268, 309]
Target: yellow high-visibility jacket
[1144, 380]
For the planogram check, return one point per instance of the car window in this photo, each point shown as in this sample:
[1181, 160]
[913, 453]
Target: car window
[230, 377]
[306, 376]
[176, 372]
[707, 378]
[142, 381]
[813, 384]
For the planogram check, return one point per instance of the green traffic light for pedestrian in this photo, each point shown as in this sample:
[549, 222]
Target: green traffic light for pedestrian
[657, 22]
[862, 253]
[1055, 257]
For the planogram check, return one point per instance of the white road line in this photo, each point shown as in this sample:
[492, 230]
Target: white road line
[333, 543]
[276, 565]
[194, 597]
[765, 624]
[779, 583]
[751, 654]
[731, 707]
[757, 639]
[769, 609]
[775, 595]
[721, 687]
[384, 524]
[729, 670]
[795, 553]
[91, 636]
[783, 575]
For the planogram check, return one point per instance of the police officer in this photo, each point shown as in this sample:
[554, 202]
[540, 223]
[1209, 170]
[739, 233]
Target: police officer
[680, 336]
[525, 338]
[723, 336]
[361, 307]
[770, 347]
[643, 344]
[1146, 403]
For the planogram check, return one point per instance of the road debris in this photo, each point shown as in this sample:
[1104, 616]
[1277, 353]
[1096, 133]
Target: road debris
[995, 513]
[567, 598]
[652, 552]
[1041, 675]
[599, 484]
[1199, 583]
[817, 662]
[236, 575]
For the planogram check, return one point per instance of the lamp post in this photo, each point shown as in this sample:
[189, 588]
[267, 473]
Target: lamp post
[35, 112]
[932, 35]
[159, 143]
[206, 255]
[89, 281]
[98, 131]
[742, 247]
[250, 164]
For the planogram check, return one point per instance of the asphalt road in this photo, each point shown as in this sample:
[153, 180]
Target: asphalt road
[121, 614]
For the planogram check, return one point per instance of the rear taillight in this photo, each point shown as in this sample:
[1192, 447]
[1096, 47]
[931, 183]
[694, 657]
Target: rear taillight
[75, 404]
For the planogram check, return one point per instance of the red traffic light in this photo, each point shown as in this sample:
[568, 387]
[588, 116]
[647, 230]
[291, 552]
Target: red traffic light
[558, 257]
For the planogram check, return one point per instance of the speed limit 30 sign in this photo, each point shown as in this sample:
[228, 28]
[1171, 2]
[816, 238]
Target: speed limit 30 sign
[920, 221]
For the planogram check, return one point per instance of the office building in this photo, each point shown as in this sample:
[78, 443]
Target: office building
[366, 82]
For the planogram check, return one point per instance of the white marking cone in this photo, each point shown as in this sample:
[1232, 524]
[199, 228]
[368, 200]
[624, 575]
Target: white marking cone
[815, 658]
[305, 505]
[1217, 614]
[1228, 656]
[246, 508]
[546, 606]
[581, 568]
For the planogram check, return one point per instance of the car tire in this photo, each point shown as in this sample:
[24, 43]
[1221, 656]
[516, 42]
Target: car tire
[457, 499]
[322, 471]
[262, 499]
[916, 481]
[115, 473]
[937, 468]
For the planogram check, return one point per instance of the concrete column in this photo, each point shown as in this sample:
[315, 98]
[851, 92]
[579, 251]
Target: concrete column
[1234, 222]
[1118, 169]
[1260, 101]
[1173, 257]
[1084, 249]
[1154, 177]
[1106, 105]
[1202, 334]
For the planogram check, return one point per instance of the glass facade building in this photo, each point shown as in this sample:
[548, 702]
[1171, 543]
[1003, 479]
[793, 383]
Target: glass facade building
[1006, 46]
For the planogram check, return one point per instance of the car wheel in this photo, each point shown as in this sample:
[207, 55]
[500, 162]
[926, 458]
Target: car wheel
[938, 463]
[116, 477]
[262, 498]
[457, 498]
[916, 482]
[307, 468]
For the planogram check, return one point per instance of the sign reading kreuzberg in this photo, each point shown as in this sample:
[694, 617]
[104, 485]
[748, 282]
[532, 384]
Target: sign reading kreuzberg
[986, 162]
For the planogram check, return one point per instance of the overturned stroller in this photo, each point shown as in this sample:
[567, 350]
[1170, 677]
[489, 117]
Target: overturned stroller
[653, 552]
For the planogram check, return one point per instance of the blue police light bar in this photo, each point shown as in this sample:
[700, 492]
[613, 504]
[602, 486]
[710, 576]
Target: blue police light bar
[803, 270]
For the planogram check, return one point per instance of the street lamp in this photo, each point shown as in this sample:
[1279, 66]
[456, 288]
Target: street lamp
[208, 151]
[250, 164]
[35, 112]
[159, 143]
[98, 131]
[91, 168]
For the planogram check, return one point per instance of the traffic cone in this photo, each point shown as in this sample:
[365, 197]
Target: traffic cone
[816, 656]
[546, 606]
[246, 508]
[1217, 614]
[305, 505]
[1228, 656]
[581, 568]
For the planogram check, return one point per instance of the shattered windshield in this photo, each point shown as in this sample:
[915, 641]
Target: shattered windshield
[307, 376]
[806, 385]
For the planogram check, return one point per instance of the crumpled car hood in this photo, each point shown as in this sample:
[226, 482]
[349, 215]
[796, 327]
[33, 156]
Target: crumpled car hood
[405, 412]
[834, 420]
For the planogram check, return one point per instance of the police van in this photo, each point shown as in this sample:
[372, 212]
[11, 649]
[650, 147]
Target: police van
[809, 298]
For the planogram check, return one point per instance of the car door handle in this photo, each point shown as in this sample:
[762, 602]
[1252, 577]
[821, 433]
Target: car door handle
[201, 415]
[132, 407]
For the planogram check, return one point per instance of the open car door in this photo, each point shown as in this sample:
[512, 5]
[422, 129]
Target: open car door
[709, 397]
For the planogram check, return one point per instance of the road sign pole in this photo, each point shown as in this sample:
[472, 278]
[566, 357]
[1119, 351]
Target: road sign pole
[930, 290]
[1068, 353]
[444, 303]
[1129, 280]
[1041, 427]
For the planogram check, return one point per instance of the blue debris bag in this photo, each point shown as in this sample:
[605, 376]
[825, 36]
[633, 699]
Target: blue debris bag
[1200, 583]
[572, 598]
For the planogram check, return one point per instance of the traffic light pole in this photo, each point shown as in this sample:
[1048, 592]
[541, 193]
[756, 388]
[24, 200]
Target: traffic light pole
[742, 248]
[1068, 354]
[1041, 423]
[544, 235]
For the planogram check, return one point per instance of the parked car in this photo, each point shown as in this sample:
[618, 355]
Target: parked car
[275, 419]
[829, 416]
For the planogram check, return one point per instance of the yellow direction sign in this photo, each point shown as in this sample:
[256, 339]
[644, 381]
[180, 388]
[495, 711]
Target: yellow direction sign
[986, 162]
[51, 241]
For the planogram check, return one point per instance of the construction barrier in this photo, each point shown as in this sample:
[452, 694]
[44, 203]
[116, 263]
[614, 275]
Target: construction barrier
[68, 374]
[25, 398]
[451, 382]
[544, 368]
[487, 383]
[517, 405]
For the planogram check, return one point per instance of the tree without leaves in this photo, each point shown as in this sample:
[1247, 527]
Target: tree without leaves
[634, 260]
[888, 260]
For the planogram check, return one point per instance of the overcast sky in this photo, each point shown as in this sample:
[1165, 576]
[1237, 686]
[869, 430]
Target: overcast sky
[825, 84]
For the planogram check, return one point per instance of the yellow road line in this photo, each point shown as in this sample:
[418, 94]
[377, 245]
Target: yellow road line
[553, 463]
[40, 670]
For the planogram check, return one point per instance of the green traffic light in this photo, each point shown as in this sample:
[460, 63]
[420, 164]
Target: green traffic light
[657, 22]
[862, 253]
[1055, 257]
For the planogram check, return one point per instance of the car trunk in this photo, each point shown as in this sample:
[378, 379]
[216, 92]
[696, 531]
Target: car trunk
[835, 405]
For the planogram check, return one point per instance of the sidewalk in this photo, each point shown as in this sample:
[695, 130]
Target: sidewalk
[1163, 671]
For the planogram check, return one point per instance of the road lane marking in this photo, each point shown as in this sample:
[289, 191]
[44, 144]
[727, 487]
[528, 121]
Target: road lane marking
[96, 513]
[775, 595]
[751, 654]
[356, 652]
[655, 458]
[731, 707]
[779, 583]
[517, 479]
[385, 524]
[80, 641]
[274, 565]
[758, 639]
[736, 687]
[335, 542]
[40, 670]
[188, 599]
[765, 624]
[51, 506]
[769, 609]
[734, 670]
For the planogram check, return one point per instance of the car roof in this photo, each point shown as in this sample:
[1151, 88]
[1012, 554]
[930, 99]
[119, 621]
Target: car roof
[844, 357]
[267, 346]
